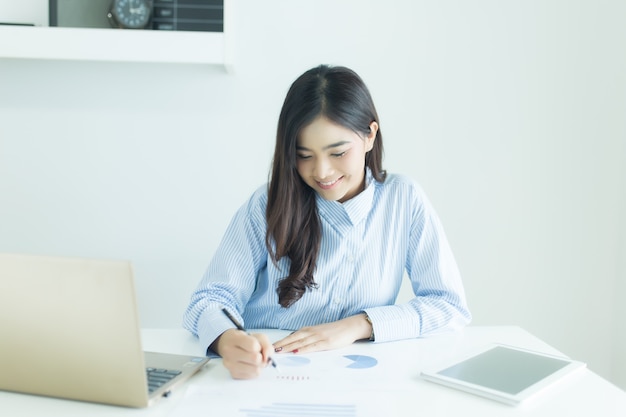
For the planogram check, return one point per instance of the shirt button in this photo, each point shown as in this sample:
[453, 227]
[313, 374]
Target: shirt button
[336, 300]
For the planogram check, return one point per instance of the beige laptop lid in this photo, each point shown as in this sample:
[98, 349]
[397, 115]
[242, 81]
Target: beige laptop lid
[70, 329]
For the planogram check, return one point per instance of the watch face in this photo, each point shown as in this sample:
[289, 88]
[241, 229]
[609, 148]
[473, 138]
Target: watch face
[132, 14]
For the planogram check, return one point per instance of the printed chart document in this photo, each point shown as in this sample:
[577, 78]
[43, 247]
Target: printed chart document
[322, 384]
[265, 401]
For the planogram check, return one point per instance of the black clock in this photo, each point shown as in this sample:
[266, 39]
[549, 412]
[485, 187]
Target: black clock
[130, 14]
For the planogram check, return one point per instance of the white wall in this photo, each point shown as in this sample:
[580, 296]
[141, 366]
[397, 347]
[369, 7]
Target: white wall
[510, 114]
[618, 374]
[619, 327]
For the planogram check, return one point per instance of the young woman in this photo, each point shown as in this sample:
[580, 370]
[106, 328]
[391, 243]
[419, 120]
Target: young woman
[322, 249]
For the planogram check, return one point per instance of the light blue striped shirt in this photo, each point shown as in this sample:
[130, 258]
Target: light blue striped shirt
[367, 243]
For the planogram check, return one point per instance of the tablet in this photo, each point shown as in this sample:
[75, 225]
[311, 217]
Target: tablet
[504, 373]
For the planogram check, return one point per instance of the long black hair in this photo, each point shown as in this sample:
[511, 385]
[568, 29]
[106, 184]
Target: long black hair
[293, 224]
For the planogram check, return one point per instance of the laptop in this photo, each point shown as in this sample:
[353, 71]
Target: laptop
[70, 329]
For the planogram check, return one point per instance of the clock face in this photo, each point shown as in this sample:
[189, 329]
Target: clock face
[132, 14]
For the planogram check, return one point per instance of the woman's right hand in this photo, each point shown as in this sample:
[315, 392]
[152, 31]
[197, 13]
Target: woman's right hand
[243, 355]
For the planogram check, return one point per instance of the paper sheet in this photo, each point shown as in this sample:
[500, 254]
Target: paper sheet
[323, 384]
[272, 402]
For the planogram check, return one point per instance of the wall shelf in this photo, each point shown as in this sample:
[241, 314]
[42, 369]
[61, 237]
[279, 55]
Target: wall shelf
[112, 45]
[94, 44]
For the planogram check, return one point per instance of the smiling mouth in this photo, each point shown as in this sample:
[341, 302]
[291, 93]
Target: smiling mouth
[328, 185]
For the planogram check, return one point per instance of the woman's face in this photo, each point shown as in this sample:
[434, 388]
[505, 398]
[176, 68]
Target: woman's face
[331, 158]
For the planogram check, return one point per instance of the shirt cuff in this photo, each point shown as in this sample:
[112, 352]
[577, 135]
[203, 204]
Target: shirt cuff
[211, 324]
[393, 323]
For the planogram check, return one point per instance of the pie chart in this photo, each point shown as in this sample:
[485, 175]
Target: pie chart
[361, 361]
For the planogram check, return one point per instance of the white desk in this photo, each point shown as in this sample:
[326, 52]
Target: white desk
[585, 394]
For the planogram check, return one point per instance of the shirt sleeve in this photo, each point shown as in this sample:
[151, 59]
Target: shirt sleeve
[230, 277]
[439, 303]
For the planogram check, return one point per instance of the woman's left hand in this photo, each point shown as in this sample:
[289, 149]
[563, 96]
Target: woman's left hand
[326, 336]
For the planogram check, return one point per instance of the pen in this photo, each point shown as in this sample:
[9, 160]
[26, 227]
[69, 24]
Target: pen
[240, 327]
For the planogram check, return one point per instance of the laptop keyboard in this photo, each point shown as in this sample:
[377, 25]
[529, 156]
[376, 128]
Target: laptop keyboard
[157, 377]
